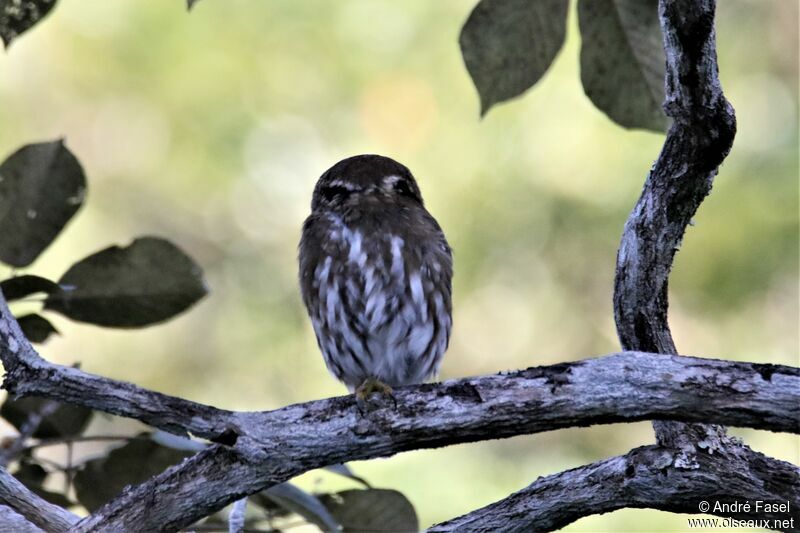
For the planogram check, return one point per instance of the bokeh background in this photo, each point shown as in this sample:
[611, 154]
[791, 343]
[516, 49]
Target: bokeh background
[211, 128]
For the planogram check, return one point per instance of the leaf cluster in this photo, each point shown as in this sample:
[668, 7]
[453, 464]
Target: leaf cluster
[42, 186]
[508, 46]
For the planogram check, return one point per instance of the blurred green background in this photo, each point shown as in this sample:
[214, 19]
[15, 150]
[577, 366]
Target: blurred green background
[211, 129]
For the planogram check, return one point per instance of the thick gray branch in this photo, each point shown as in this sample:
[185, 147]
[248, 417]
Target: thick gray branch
[13, 522]
[700, 137]
[258, 450]
[34, 509]
[623, 387]
[643, 478]
[270, 447]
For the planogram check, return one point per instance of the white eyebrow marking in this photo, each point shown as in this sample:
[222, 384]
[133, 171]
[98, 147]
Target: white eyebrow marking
[391, 179]
[343, 184]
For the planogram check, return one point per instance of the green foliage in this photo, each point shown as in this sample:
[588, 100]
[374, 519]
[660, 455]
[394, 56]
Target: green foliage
[137, 461]
[26, 285]
[376, 510]
[63, 421]
[508, 45]
[42, 187]
[622, 61]
[98, 480]
[18, 16]
[350, 511]
[147, 282]
[289, 498]
[36, 327]
[346, 471]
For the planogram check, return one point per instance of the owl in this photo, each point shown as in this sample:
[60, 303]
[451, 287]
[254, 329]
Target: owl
[375, 276]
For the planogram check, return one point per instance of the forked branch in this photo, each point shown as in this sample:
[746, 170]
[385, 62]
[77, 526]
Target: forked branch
[260, 449]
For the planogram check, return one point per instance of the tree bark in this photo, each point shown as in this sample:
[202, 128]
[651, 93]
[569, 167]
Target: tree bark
[261, 449]
[700, 137]
[643, 478]
[36, 511]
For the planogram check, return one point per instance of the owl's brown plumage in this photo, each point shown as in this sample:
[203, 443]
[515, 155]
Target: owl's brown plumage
[375, 274]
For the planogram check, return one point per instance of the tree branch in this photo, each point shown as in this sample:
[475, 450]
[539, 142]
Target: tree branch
[643, 478]
[13, 521]
[258, 450]
[27, 374]
[10, 452]
[700, 137]
[267, 448]
[37, 511]
[295, 439]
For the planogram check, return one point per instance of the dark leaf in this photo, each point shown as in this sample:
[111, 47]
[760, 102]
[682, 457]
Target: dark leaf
[41, 187]
[346, 471]
[137, 461]
[30, 474]
[33, 476]
[22, 286]
[147, 282]
[298, 501]
[622, 61]
[508, 45]
[66, 421]
[374, 510]
[190, 4]
[36, 327]
[273, 509]
[17, 16]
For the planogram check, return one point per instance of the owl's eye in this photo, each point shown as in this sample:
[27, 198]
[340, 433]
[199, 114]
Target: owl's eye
[335, 191]
[402, 188]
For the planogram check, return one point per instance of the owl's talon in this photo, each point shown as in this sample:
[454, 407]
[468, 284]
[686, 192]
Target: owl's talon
[369, 387]
[362, 406]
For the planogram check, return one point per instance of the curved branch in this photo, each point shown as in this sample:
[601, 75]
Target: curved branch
[284, 443]
[270, 447]
[700, 137]
[641, 479]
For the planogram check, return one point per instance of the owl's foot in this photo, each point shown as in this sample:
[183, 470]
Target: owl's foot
[369, 387]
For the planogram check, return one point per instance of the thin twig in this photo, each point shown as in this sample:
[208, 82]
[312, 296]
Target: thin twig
[79, 439]
[17, 446]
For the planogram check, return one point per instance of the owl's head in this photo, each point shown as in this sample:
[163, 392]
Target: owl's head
[364, 177]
